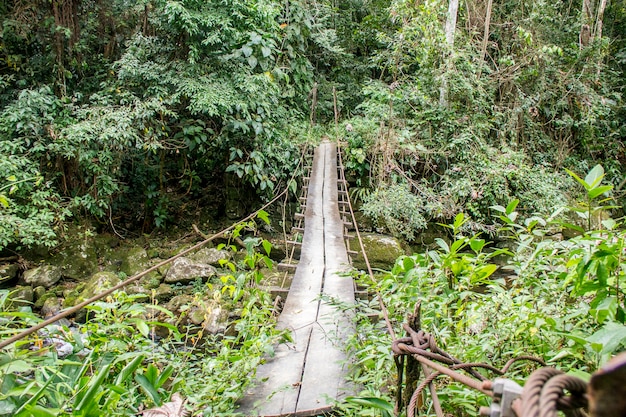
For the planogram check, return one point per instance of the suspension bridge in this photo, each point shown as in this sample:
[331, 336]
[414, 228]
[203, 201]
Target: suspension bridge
[309, 373]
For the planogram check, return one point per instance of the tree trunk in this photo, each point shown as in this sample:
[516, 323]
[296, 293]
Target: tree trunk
[453, 10]
[585, 36]
[486, 33]
[599, 20]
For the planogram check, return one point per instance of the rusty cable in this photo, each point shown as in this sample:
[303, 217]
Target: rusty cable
[381, 303]
[135, 277]
[549, 390]
[410, 411]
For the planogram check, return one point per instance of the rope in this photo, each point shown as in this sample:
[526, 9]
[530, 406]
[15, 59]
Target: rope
[549, 390]
[381, 303]
[134, 278]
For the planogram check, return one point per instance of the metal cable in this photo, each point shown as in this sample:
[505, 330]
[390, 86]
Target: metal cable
[382, 305]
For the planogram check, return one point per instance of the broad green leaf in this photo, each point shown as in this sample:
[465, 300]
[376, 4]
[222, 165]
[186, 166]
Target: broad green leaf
[602, 273]
[263, 215]
[457, 245]
[3, 201]
[477, 245]
[142, 327]
[11, 178]
[148, 388]
[164, 375]
[510, 208]
[459, 220]
[94, 386]
[373, 402]
[247, 51]
[408, 263]
[594, 177]
[266, 51]
[267, 246]
[498, 208]
[608, 338]
[591, 194]
[252, 61]
[442, 244]
[129, 369]
[39, 411]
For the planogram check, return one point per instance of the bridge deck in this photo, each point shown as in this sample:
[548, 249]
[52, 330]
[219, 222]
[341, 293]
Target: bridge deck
[306, 376]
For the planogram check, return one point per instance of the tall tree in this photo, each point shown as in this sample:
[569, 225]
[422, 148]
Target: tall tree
[450, 29]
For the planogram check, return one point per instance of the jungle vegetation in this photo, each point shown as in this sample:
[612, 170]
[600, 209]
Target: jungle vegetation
[498, 120]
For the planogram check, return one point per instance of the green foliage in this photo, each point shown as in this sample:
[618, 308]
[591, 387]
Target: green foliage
[488, 305]
[119, 366]
[593, 204]
[396, 209]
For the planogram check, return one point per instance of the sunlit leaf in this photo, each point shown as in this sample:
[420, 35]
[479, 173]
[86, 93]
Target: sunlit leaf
[594, 177]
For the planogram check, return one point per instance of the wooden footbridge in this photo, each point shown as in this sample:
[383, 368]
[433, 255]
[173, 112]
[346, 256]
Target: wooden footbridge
[308, 374]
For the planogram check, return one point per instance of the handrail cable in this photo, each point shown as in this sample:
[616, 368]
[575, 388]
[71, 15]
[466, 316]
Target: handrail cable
[122, 284]
[381, 303]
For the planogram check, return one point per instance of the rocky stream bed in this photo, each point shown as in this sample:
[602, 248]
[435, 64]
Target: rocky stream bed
[49, 281]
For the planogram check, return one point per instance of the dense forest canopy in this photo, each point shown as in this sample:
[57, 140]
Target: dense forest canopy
[123, 111]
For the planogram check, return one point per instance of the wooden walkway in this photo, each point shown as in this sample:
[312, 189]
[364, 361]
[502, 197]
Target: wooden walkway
[305, 377]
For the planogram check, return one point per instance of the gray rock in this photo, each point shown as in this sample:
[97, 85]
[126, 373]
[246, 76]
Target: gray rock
[209, 314]
[50, 307]
[210, 256]
[98, 282]
[8, 272]
[78, 260]
[44, 275]
[164, 292]
[22, 296]
[39, 292]
[135, 260]
[382, 251]
[184, 270]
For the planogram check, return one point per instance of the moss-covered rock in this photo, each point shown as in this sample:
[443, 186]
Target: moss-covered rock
[44, 276]
[135, 260]
[164, 292]
[98, 282]
[210, 256]
[22, 295]
[184, 270]
[382, 251]
[78, 259]
[8, 272]
[41, 300]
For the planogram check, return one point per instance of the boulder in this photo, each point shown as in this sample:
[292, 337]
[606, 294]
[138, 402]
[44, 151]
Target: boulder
[22, 296]
[77, 260]
[382, 251]
[8, 272]
[134, 260]
[209, 314]
[210, 256]
[98, 282]
[43, 298]
[39, 292]
[44, 276]
[51, 307]
[184, 270]
[164, 292]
